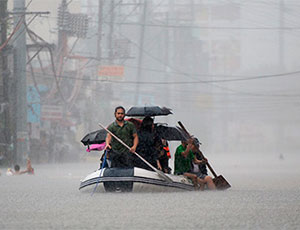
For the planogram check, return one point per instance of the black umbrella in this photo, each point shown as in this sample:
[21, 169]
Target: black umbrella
[96, 137]
[171, 133]
[148, 111]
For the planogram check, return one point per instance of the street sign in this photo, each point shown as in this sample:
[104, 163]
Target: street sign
[52, 112]
[111, 71]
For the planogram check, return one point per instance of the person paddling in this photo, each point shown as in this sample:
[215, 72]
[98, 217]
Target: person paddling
[183, 160]
[119, 155]
[185, 157]
[199, 166]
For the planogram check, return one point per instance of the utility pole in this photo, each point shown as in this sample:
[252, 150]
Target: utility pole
[20, 110]
[62, 34]
[166, 67]
[99, 37]
[111, 31]
[4, 85]
[141, 52]
[281, 36]
[280, 129]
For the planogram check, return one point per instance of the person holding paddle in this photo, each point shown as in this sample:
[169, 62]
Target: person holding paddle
[220, 182]
[199, 166]
[184, 159]
[119, 155]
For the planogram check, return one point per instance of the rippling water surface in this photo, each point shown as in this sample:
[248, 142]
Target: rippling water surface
[265, 194]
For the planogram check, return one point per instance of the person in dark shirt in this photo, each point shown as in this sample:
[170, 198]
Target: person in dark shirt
[148, 145]
[119, 155]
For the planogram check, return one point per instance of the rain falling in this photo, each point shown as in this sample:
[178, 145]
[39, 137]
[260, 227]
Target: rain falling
[224, 72]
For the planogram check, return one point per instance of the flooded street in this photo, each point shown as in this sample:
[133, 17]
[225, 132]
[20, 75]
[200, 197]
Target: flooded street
[264, 195]
[224, 72]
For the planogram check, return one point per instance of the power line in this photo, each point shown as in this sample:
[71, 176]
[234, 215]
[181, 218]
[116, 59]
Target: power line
[208, 27]
[197, 81]
[164, 83]
[188, 75]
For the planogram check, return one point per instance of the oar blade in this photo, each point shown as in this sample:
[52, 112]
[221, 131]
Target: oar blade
[221, 183]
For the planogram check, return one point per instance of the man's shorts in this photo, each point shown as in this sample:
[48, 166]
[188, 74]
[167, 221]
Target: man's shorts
[200, 175]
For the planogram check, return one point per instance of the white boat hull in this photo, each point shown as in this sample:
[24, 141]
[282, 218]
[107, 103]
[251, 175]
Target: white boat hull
[133, 180]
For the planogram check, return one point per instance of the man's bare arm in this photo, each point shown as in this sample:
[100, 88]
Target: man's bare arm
[135, 142]
[107, 141]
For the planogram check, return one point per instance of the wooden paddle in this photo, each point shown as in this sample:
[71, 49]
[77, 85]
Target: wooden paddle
[161, 174]
[220, 182]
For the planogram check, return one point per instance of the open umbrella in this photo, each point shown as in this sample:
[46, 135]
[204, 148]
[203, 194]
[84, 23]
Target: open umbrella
[170, 133]
[148, 111]
[96, 137]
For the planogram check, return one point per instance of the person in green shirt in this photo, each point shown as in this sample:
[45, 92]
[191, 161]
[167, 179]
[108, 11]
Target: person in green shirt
[119, 155]
[183, 162]
[184, 157]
